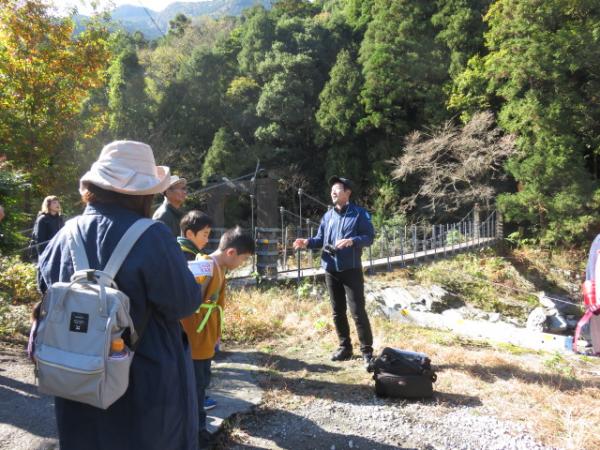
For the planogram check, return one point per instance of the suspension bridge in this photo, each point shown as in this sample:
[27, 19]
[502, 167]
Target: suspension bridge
[394, 245]
[399, 245]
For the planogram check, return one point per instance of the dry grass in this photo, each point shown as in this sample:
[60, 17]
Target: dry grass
[557, 397]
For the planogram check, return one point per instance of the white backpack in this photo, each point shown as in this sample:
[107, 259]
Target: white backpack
[78, 321]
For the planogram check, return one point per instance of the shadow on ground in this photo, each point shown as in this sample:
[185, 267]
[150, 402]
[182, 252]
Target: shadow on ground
[277, 376]
[22, 407]
[290, 431]
[490, 374]
[281, 363]
[537, 278]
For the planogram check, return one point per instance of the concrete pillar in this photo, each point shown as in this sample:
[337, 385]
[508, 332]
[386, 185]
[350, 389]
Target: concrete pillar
[499, 225]
[476, 221]
[267, 203]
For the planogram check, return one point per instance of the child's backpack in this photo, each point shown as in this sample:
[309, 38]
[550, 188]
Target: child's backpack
[78, 322]
[401, 373]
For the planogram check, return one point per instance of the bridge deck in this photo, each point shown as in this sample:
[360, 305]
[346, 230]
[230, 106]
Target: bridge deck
[407, 258]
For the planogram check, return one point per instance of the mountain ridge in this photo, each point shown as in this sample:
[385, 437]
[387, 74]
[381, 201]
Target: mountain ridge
[138, 18]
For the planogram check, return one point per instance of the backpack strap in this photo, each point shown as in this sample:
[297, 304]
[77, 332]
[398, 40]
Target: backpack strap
[126, 243]
[76, 247]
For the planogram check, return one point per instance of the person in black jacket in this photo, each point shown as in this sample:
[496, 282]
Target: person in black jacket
[170, 212]
[47, 224]
[344, 231]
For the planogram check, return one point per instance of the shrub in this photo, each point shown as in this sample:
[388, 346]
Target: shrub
[18, 281]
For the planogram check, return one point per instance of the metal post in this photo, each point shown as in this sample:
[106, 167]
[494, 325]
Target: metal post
[252, 229]
[283, 239]
[309, 253]
[287, 238]
[445, 237]
[402, 250]
[389, 264]
[298, 232]
[433, 241]
[453, 237]
[414, 243]
[370, 260]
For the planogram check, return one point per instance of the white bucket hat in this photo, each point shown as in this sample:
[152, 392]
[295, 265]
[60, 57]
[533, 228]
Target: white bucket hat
[175, 181]
[127, 167]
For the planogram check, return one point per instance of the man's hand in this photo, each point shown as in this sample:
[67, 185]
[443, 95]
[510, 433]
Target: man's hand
[300, 244]
[343, 243]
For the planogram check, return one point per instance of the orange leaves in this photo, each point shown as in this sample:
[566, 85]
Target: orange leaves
[46, 74]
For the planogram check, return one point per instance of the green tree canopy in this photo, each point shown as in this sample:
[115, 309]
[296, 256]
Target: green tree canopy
[128, 103]
[540, 73]
[404, 67]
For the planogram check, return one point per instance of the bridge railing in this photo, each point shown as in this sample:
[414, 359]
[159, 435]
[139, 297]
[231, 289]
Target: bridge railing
[393, 244]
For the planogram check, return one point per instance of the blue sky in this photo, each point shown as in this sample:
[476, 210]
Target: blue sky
[84, 6]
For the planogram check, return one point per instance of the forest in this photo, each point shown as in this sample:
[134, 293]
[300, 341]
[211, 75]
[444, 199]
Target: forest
[430, 107]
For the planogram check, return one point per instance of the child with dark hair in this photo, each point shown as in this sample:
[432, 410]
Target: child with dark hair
[204, 327]
[195, 229]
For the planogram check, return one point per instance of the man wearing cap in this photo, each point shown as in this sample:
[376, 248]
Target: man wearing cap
[170, 212]
[344, 231]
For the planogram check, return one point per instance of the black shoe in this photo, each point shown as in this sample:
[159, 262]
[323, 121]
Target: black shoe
[367, 358]
[342, 354]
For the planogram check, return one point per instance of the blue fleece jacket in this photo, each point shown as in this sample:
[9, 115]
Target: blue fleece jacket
[352, 222]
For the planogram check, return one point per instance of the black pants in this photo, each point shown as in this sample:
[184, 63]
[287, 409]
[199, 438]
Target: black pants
[349, 285]
[202, 372]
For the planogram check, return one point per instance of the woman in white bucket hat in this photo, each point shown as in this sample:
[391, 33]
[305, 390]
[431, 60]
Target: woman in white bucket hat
[158, 410]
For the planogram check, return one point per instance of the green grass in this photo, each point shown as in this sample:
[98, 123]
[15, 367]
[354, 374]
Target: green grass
[483, 280]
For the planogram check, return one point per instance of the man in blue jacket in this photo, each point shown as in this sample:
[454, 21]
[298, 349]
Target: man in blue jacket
[343, 232]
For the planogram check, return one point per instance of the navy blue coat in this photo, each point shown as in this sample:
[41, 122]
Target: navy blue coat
[159, 409]
[351, 222]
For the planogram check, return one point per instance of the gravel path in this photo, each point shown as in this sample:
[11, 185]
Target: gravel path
[379, 425]
[299, 412]
[26, 417]
[305, 409]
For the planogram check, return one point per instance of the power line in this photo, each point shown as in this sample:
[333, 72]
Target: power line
[152, 19]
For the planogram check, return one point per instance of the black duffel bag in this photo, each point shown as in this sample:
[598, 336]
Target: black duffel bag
[401, 373]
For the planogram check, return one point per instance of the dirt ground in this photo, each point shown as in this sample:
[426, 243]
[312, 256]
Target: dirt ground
[486, 398]
[26, 417]
[312, 403]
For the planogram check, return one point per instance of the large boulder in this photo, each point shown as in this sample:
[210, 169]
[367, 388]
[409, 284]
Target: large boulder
[565, 306]
[537, 319]
[432, 298]
[555, 314]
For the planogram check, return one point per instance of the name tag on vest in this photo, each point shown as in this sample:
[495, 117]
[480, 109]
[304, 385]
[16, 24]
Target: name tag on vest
[202, 267]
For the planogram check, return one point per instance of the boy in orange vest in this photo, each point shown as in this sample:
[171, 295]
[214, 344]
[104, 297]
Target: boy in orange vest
[204, 327]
